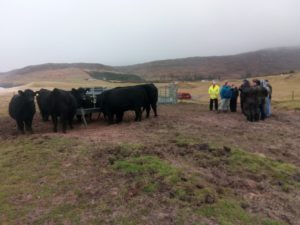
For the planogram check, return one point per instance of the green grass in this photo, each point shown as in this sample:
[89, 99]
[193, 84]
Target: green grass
[182, 141]
[229, 212]
[36, 170]
[32, 173]
[242, 161]
[147, 165]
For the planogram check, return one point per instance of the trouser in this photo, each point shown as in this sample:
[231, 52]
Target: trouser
[233, 102]
[268, 107]
[215, 102]
[224, 105]
[262, 111]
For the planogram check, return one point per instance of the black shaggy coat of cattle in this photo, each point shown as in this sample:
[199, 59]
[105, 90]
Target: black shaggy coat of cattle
[42, 99]
[62, 104]
[115, 102]
[152, 93]
[83, 100]
[22, 109]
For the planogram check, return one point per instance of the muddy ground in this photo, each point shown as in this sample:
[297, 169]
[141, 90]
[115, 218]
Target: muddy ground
[277, 136]
[177, 135]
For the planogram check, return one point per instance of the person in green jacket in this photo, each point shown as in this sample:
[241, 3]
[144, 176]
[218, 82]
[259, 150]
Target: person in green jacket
[213, 92]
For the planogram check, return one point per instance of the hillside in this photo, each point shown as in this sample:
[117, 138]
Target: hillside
[263, 62]
[258, 63]
[74, 73]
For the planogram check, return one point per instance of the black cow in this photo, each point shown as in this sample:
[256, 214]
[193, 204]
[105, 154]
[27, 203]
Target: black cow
[22, 109]
[115, 102]
[62, 104]
[83, 100]
[152, 93]
[42, 99]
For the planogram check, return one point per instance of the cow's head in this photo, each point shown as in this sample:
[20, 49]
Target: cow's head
[28, 95]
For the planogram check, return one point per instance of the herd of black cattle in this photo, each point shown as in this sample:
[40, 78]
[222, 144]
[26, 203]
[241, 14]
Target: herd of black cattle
[112, 103]
[64, 104]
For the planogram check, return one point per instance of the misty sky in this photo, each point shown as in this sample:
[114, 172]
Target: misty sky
[121, 32]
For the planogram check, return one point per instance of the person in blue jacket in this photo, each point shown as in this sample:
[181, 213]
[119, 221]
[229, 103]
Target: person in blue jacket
[225, 94]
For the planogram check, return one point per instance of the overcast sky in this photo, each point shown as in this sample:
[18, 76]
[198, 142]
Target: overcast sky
[122, 32]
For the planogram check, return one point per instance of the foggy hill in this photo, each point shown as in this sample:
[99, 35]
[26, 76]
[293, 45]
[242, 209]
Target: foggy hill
[58, 66]
[262, 62]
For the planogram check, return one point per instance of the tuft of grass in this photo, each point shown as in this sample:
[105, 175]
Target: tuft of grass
[229, 212]
[185, 141]
[149, 173]
[242, 161]
[146, 165]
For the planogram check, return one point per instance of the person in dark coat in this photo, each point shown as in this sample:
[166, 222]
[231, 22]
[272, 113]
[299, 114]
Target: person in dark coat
[245, 84]
[234, 97]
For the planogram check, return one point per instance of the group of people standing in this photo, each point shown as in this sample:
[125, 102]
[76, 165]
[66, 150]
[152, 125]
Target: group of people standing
[255, 98]
[229, 95]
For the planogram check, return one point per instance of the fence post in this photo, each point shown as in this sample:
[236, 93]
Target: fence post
[293, 95]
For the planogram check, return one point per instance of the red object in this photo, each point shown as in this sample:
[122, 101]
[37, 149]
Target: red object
[184, 95]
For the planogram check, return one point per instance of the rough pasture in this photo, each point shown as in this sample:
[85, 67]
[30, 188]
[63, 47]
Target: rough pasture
[187, 166]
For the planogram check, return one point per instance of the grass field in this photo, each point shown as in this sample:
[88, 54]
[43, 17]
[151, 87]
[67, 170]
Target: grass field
[188, 166]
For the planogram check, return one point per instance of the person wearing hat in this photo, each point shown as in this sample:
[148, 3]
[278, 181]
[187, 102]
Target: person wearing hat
[213, 92]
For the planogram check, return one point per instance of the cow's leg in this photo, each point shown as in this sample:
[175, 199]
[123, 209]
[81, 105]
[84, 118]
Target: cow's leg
[44, 116]
[64, 120]
[20, 126]
[28, 125]
[64, 125]
[154, 108]
[110, 117]
[119, 116]
[70, 120]
[47, 116]
[78, 118]
[147, 111]
[138, 114]
[54, 120]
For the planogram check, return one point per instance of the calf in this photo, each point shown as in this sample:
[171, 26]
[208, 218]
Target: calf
[22, 109]
[62, 104]
[42, 99]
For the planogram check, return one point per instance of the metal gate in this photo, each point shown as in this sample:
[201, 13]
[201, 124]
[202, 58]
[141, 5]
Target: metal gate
[167, 94]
